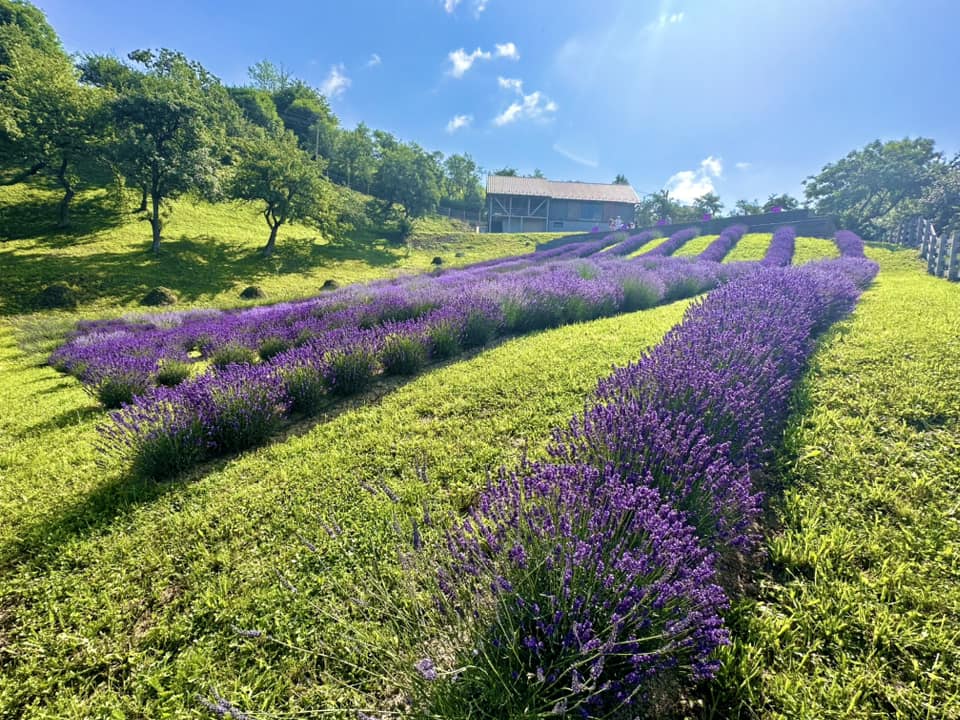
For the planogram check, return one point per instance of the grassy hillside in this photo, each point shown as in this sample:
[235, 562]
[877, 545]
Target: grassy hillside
[210, 252]
[860, 616]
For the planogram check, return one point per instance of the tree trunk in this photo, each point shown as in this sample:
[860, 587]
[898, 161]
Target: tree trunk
[68, 193]
[272, 242]
[155, 224]
[143, 199]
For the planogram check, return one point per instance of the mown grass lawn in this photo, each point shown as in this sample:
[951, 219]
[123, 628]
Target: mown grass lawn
[859, 616]
[120, 597]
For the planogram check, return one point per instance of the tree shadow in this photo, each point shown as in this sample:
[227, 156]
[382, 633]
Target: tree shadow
[74, 416]
[36, 218]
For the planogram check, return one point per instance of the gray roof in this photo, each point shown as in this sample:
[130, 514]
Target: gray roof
[538, 187]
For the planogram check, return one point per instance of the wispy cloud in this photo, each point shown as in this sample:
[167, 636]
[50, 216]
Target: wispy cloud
[574, 157]
[336, 82]
[458, 122]
[668, 19]
[374, 60]
[535, 106]
[461, 61]
[687, 185]
[478, 6]
[507, 50]
[743, 166]
[511, 84]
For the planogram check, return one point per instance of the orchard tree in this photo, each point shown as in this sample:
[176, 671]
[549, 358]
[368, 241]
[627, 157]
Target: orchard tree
[354, 158]
[277, 173]
[48, 120]
[257, 106]
[172, 128]
[871, 189]
[462, 179]
[307, 113]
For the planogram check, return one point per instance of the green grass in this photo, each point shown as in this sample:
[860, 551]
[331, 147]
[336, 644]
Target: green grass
[859, 616]
[656, 242]
[210, 253]
[118, 597]
[695, 246]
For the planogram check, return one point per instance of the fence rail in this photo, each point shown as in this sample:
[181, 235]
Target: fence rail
[942, 252]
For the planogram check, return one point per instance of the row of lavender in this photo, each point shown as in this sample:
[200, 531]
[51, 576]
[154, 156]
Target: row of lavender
[166, 429]
[595, 583]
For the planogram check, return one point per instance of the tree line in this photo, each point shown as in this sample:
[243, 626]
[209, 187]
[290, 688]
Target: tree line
[162, 124]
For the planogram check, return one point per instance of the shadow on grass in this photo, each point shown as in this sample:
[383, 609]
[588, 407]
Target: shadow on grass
[196, 268]
[39, 544]
[35, 218]
[64, 419]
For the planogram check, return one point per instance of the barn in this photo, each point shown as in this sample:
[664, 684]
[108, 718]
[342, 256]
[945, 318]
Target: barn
[518, 204]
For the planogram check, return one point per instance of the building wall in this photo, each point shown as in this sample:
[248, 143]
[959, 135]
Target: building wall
[564, 215]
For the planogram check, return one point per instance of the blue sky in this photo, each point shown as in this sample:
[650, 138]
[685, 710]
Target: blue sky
[745, 97]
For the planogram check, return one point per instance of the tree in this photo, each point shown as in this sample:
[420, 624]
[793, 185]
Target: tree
[506, 172]
[621, 179]
[537, 173]
[277, 173]
[462, 179]
[172, 130]
[307, 113]
[33, 26]
[257, 106]
[782, 201]
[940, 203]
[410, 177]
[747, 207]
[269, 77]
[871, 189]
[354, 158]
[49, 121]
[708, 204]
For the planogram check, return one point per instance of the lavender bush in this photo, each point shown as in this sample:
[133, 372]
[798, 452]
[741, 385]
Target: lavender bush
[719, 248]
[673, 243]
[780, 252]
[849, 243]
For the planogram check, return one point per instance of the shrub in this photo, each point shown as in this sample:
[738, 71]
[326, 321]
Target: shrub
[173, 372]
[245, 407]
[118, 388]
[639, 295]
[164, 438]
[437, 260]
[350, 371]
[57, 296]
[159, 296]
[306, 386]
[479, 328]
[271, 347]
[253, 292]
[444, 340]
[403, 355]
[329, 285]
[232, 354]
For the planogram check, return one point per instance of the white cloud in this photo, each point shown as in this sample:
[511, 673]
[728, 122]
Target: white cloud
[579, 159]
[507, 50]
[478, 6]
[534, 106]
[511, 84]
[687, 185]
[458, 122]
[461, 60]
[374, 60]
[336, 83]
[668, 19]
[450, 5]
[743, 166]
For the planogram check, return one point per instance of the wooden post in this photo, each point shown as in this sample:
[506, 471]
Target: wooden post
[924, 241]
[940, 263]
[953, 260]
[932, 256]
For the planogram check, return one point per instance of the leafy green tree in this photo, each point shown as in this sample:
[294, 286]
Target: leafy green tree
[621, 179]
[410, 177]
[747, 207]
[49, 121]
[33, 26]
[506, 172]
[257, 106]
[354, 159]
[462, 179]
[538, 173]
[172, 129]
[871, 189]
[941, 199]
[782, 201]
[307, 113]
[708, 204]
[276, 172]
[269, 77]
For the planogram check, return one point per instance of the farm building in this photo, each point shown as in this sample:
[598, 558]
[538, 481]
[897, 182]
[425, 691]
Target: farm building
[516, 204]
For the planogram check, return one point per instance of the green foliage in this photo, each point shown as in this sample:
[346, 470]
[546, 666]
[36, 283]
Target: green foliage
[462, 180]
[747, 207]
[506, 172]
[275, 172]
[354, 159]
[782, 201]
[860, 617]
[444, 341]
[257, 106]
[32, 26]
[173, 372]
[410, 177]
[351, 371]
[307, 389]
[621, 179]
[271, 347]
[708, 203]
[403, 355]
[306, 113]
[232, 355]
[119, 389]
[873, 188]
